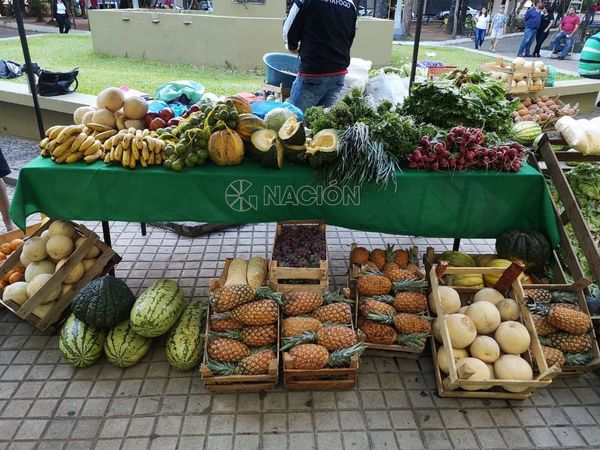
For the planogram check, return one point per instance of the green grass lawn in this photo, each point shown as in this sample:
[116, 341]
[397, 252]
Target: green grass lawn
[63, 52]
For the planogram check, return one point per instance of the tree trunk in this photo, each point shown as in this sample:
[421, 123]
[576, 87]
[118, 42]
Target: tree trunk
[512, 17]
[583, 28]
[381, 9]
[455, 18]
[399, 31]
[407, 8]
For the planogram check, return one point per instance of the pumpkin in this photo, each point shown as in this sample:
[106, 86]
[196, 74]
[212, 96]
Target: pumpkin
[226, 148]
[241, 104]
[529, 246]
[248, 124]
[103, 303]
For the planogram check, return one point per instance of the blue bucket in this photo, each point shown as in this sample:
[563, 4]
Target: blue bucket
[281, 68]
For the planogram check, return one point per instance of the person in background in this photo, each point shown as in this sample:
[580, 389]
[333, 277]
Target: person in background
[533, 17]
[62, 17]
[595, 9]
[545, 25]
[498, 27]
[589, 59]
[321, 32]
[482, 21]
[4, 203]
[82, 7]
[565, 37]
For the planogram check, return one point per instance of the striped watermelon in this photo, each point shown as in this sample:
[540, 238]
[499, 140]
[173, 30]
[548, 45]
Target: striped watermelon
[123, 347]
[80, 344]
[157, 309]
[184, 344]
[526, 132]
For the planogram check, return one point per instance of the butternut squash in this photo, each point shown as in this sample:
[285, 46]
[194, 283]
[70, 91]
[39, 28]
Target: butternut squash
[237, 272]
[256, 272]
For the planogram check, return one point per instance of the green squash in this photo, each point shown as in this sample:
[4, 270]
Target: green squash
[292, 132]
[80, 344]
[103, 303]
[322, 148]
[531, 247]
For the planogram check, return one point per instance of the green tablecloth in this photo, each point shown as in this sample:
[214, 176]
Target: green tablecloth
[472, 204]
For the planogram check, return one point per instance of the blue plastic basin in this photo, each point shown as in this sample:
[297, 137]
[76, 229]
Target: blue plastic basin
[281, 68]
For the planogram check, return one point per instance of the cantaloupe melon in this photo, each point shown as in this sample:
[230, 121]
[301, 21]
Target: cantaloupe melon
[61, 227]
[59, 247]
[110, 98]
[36, 284]
[104, 117]
[34, 249]
[135, 123]
[135, 108]
[36, 268]
[92, 252]
[80, 112]
[75, 275]
[87, 117]
[17, 292]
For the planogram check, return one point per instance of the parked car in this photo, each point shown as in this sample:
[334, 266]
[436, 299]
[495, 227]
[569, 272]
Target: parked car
[445, 14]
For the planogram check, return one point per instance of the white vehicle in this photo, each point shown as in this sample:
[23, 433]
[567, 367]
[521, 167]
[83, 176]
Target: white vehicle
[445, 14]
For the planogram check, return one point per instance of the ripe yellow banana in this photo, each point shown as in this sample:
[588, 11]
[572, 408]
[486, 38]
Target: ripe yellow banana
[125, 158]
[105, 135]
[119, 152]
[145, 152]
[93, 158]
[87, 143]
[56, 131]
[44, 143]
[93, 148]
[135, 153]
[80, 139]
[64, 148]
[73, 158]
[107, 159]
[50, 130]
[98, 127]
[66, 133]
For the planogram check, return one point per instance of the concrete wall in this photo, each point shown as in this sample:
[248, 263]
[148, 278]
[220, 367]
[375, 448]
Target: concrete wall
[214, 40]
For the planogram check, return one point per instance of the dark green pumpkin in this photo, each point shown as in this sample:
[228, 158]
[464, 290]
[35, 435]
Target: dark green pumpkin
[103, 303]
[530, 247]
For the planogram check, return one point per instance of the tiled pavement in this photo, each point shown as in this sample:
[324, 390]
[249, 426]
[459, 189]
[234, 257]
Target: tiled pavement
[45, 403]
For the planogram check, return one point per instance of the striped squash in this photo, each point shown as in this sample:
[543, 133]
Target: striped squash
[184, 344]
[80, 344]
[157, 309]
[124, 347]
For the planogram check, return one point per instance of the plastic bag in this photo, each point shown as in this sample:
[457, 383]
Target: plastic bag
[261, 108]
[156, 106]
[388, 86]
[357, 76]
[551, 76]
[183, 91]
[10, 69]
[575, 132]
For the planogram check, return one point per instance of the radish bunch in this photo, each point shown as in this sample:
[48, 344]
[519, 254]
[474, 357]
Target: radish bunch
[463, 149]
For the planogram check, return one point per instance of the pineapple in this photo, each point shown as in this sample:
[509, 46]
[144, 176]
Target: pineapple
[403, 322]
[332, 338]
[542, 326]
[553, 356]
[372, 284]
[252, 336]
[378, 257]
[341, 358]
[370, 266]
[569, 320]
[223, 322]
[359, 255]
[227, 350]
[227, 298]
[578, 359]
[392, 269]
[410, 302]
[334, 313]
[539, 295]
[298, 303]
[547, 296]
[256, 364]
[369, 305]
[567, 343]
[293, 326]
[260, 312]
[309, 356]
[412, 284]
[378, 333]
[401, 257]
[416, 340]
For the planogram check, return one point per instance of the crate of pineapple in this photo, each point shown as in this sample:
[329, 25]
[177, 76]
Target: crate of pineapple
[485, 343]
[300, 258]
[564, 326]
[363, 260]
[51, 266]
[321, 348]
[391, 310]
[242, 337]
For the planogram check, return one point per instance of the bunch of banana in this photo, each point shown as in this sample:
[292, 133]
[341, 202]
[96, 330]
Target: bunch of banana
[130, 146]
[72, 143]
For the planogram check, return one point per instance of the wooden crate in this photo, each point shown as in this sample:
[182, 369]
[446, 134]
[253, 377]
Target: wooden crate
[434, 72]
[9, 236]
[60, 309]
[321, 379]
[578, 287]
[530, 76]
[450, 385]
[239, 383]
[319, 276]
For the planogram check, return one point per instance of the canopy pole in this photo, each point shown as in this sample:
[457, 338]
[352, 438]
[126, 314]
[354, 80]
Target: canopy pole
[28, 66]
[415, 55]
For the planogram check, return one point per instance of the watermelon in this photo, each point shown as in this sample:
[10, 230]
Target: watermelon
[104, 302]
[80, 344]
[124, 347]
[458, 259]
[526, 132]
[530, 247]
[157, 309]
[184, 344]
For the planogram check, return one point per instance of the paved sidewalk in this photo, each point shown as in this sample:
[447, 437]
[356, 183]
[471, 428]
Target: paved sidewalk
[47, 404]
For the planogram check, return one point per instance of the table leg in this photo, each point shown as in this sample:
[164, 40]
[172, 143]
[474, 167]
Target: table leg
[107, 241]
[143, 225]
[456, 245]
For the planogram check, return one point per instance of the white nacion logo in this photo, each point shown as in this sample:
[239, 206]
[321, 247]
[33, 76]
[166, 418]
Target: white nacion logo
[238, 197]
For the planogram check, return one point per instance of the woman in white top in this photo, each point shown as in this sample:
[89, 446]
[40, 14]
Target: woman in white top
[482, 21]
[62, 17]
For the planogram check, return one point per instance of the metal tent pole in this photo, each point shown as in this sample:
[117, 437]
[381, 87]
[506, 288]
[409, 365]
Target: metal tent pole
[415, 56]
[28, 66]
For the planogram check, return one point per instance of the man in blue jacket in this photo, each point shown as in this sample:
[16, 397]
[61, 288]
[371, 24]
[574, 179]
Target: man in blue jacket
[533, 18]
[322, 32]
